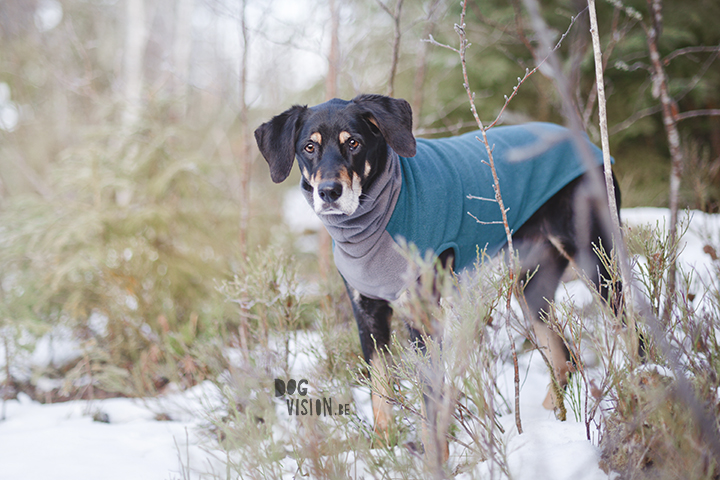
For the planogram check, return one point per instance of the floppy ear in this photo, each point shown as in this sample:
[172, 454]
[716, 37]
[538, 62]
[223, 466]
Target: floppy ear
[276, 141]
[393, 117]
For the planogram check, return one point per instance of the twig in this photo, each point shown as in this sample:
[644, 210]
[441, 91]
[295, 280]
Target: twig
[460, 29]
[421, 63]
[688, 50]
[691, 86]
[646, 112]
[697, 113]
[495, 222]
[615, 37]
[602, 113]
[473, 197]
[396, 42]
[706, 424]
[529, 72]
[445, 130]
[596, 195]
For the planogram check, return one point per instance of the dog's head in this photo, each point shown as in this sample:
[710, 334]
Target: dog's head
[340, 146]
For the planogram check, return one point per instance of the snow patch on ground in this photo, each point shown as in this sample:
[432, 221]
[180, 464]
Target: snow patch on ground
[62, 441]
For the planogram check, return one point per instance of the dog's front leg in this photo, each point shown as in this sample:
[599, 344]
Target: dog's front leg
[373, 321]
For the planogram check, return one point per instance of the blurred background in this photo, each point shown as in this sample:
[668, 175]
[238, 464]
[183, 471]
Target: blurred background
[133, 197]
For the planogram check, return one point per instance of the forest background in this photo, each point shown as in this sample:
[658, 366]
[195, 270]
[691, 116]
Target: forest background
[134, 203]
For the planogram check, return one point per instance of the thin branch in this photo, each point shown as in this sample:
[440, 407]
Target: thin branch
[537, 67]
[481, 222]
[421, 63]
[473, 197]
[646, 112]
[487, 21]
[697, 113]
[602, 114]
[385, 8]
[449, 129]
[596, 194]
[615, 37]
[688, 50]
[658, 108]
[460, 29]
[528, 72]
[396, 42]
[520, 28]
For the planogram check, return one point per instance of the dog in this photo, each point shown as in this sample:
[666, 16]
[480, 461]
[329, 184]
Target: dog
[374, 185]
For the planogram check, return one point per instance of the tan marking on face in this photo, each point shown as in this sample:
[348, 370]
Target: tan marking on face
[306, 174]
[368, 168]
[356, 186]
[344, 178]
[344, 136]
[316, 137]
[349, 199]
[315, 179]
[374, 122]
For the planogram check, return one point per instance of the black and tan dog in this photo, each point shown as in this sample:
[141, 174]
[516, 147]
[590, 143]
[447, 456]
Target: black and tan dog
[372, 184]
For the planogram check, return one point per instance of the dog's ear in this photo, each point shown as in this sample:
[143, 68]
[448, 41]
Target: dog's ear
[276, 141]
[393, 117]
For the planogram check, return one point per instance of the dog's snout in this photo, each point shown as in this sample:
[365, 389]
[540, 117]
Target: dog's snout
[330, 191]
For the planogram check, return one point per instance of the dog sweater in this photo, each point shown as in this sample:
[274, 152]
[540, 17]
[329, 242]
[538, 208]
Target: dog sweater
[425, 200]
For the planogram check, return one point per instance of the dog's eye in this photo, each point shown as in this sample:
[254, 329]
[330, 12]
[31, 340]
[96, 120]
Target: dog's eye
[353, 144]
[309, 148]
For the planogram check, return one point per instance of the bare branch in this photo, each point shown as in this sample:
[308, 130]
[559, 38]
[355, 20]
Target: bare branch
[385, 8]
[689, 50]
[646, 112]
[697, 113]
[529, 72]
[658, 108]
[600, 86]
[449, 129]
[432, 40]
[615, 37]
[473, 197]
[421, 63]
[595, 192]
[481, 222]
[460, 29]
[396, 42]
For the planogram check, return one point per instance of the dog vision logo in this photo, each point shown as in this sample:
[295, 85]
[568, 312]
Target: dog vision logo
[305, 405]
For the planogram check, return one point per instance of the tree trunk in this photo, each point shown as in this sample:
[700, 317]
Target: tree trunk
[246, 159]
[331, 87]
[669, 113]
[396, 49]
[182, 49]
[136, 37]
[421, 64]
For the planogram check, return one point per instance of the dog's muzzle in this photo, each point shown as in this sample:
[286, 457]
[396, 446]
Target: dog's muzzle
[337, 197]
[329, 192]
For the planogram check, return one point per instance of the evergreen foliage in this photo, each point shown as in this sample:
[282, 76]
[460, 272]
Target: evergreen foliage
[126, 249]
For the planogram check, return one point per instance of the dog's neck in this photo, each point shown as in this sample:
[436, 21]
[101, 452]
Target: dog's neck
[365, 254]
[356, 233]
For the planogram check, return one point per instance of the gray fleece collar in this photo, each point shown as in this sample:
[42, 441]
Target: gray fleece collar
[364, 252]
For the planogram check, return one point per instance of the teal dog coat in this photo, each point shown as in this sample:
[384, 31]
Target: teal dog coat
[424, 200]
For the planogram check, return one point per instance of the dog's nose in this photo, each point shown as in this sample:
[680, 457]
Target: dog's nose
[329, 191]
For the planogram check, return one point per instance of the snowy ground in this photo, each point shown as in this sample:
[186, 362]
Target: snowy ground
[62, 441]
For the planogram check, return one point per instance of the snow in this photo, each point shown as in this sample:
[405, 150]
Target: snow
[62, 441]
